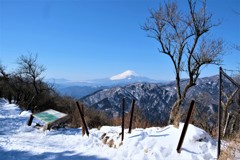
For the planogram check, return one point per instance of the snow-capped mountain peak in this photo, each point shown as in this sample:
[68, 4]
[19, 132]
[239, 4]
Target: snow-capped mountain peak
[125, 75]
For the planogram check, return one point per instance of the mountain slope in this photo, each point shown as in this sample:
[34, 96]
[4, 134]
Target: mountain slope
[79, 91]
[152, 98]
[156, 99]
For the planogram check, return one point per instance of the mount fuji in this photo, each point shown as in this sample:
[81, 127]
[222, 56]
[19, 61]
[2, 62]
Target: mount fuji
[126, 77]
[80, 89]
[129, 74]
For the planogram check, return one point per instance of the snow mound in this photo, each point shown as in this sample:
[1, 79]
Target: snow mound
[125, 75]
[19, 141]
[196, 134]
[3, 101]
[25, 114]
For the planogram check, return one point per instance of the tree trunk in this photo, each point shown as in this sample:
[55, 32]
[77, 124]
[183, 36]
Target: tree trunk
[224, 116]
[175, 108]
[174, 112]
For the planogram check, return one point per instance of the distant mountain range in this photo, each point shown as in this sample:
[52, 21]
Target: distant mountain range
[80, 89]
[155, 98]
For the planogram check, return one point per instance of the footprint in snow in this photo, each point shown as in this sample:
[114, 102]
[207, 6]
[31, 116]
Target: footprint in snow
[165, 152]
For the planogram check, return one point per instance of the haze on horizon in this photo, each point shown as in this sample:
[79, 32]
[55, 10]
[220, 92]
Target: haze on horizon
[82, 40]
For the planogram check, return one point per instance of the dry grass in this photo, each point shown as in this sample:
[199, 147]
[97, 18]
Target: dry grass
[177, 120]
[139, 120]
[181, 116]
[229, 153]
[93, 117]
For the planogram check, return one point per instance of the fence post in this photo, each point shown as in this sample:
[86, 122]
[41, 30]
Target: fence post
[185, 127]
[219, 112]
[83, 128]
[30, 120]
[83, 120]
[131, 118]
[29, 123]
[123, 108]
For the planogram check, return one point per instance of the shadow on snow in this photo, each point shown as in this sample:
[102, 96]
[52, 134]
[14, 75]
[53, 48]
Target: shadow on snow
[23, 155]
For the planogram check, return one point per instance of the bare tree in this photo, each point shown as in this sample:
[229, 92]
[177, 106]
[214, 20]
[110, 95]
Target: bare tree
[183, 38]
[3, 71]
[229, 102]
[5, 88]
[31, 71]
[2, 80]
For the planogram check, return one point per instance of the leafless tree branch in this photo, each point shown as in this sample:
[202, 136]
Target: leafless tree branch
[183, 37]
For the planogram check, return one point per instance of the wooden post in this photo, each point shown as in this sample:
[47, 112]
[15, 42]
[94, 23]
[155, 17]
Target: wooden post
[46, 127]
[123, 108]
[29, 123]
[83, 120]
[185, 127]
[83, 128]
[219, 112]
[131, 118]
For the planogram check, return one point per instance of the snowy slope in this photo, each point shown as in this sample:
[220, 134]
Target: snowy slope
[19, 141]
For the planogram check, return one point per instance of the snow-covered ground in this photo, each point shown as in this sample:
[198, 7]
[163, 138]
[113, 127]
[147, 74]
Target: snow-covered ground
[22, 142]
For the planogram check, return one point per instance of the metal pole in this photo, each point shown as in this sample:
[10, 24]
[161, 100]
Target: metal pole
[219, 112]
[123, 106]
[185, 127]
[131, 118]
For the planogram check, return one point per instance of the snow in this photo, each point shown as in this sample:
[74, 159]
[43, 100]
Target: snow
[125, 75]
[22, 142]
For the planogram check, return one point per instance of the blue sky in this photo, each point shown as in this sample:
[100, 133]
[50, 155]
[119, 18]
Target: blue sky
[89, 39]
